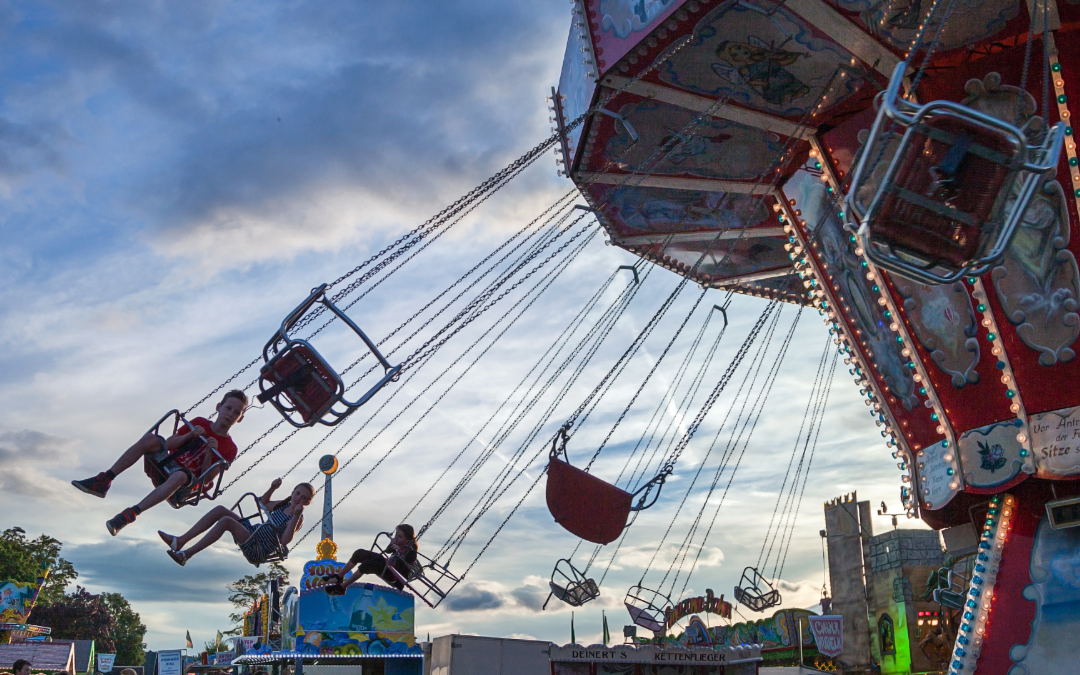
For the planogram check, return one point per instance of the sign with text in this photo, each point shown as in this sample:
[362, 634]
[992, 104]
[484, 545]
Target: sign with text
[105, 662]
[170, 663]
[935, 480]
[657, 654]
[242, 645]
[1055, 440]
[828, 633]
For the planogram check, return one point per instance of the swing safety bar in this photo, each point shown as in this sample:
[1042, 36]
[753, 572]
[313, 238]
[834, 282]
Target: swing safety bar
[648, 608]
[646, 490]
[256, 517]
[300, 383]
[755, 592]
[425, 579]
[160, 465]
[970, 229]
[570, 585]
[950, 590]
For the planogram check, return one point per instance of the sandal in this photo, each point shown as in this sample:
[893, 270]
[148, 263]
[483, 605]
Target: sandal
[169, 539]
[179, 557]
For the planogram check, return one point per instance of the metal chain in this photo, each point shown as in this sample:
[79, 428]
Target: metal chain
[537, 292]
[656, 364]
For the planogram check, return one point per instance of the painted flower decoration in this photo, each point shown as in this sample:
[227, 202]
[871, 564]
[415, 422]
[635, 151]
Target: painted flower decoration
[993, 456]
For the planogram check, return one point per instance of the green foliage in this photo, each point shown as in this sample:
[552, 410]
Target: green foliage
[129, 632]
[107, 618]
[21, 558]
[218, 644]
[250, 588]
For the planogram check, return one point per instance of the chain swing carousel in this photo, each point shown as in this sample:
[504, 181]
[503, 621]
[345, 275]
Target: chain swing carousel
[910, 170]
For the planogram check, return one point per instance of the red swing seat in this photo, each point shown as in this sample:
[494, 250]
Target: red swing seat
[586, 506]
[298, 382]
[933, 225]
[305, 380]
[589, 507]
[955, 189]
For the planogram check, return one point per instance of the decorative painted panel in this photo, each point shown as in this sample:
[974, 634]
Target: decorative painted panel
[990, 455]
[896, 22]
[637, 210]
[943, 321]
[938, 482]
[1055, 438]
[709, 147]
[776, 63]
[576, 87]
[618, 25]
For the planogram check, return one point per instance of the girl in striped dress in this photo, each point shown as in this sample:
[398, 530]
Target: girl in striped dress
[256, 541]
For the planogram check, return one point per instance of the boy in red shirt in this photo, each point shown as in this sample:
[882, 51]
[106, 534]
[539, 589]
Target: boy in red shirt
[182, 470]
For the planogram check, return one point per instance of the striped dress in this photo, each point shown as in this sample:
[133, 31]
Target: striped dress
[265, 539]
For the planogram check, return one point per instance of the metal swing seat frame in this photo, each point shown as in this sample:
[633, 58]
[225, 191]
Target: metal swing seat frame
[299, 382]
[952, 589]
[647, 607]
[589, 507]
[207, 485]
[750, 591]
[255, 518]
[425, 578]
[571, 586]
[931, 219]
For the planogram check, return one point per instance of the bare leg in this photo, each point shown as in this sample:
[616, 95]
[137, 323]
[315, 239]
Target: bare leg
[239, 533]
[148, 443]
[212, 516]
[163, 491]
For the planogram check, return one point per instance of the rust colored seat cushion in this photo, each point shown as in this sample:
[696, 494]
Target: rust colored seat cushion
[910, 226]
[315, 391]
[585, 505]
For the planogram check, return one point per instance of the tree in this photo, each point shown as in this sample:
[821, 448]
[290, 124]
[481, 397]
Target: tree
[250, 588]
[107, 618]
[22, 558]
[130, 648]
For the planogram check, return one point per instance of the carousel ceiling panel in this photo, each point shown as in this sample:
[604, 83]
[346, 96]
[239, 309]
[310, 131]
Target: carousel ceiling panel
[617, 26]
[745, 258]
[707, 147]
[632, 212]
[774, 61]
[896, 22]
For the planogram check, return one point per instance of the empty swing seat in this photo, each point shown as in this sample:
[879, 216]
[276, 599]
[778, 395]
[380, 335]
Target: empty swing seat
[297, 380]
[954, 191]
[571, 586]
[647, 608]
[950, 590]
[755, 592]
[589, 507]
[586, 506]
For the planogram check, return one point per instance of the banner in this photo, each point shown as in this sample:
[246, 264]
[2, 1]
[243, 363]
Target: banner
[170, 663]
[105, 662]
[828, 633]
[243, 645]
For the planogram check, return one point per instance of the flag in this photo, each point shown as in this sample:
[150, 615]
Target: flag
[573, 638]
[190, 644]
[607, 634]
[217, 640]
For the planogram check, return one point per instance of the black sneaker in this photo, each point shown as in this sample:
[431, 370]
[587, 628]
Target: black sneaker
[120, 521]
[97, 486]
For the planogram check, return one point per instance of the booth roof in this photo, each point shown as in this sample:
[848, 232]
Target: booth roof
[48, 656]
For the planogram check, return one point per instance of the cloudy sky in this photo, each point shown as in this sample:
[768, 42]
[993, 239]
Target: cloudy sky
[174, 177]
